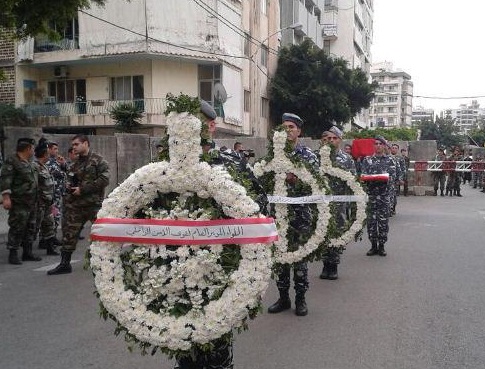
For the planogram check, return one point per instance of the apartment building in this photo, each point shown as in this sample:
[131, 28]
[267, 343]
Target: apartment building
[420, 114]
[392, 105]
[348, 32]
[306, 16]
[466, 117]
[7, 67]
[220, 50]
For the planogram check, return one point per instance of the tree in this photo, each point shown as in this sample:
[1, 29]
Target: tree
[390, 134]
[321, 89]
[443, 131]
[32, 17]
[127, 117]
[478, 135]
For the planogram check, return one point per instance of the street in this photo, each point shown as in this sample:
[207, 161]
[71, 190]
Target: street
[421, 307]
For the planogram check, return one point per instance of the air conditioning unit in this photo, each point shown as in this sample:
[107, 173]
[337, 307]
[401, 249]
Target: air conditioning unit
[60, 71]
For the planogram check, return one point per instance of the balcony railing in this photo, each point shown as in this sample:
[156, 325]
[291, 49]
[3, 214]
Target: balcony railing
[46, 45]
[90, 107]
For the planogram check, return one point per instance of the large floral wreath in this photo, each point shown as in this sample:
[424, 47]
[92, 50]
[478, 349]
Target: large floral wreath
[272, 171]
[179, 297]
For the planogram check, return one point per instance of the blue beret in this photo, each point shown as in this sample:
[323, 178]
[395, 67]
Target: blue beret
[207, 110]
[290, 117]
[336, 131]
[382, 140]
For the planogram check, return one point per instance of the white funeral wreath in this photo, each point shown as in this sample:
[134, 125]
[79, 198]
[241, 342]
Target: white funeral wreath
[183, 174]
[326, 168]
[280, 165]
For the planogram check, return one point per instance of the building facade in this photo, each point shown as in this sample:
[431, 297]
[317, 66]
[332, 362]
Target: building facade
[7, 67]
[392, 104]
[348, 32]
[420, 114]
[140, 51]
[466, 117]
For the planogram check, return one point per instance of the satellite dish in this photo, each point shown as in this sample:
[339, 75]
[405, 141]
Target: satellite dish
[220, 94]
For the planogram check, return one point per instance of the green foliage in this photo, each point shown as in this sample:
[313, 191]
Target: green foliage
[320, 89]
[127, 117]
[182, 103]
[32, 17]
[443, 131]
[478, 135]
[391, 134]
[12, 116]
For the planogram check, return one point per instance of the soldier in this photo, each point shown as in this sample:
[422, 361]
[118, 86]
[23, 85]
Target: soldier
[379, 195]
[45, 224]
[221, 356]
[400, 169]
[301, 223]
[439, 177]
[57, 167]
[19, 181]
[88, 178]
[454, 177]
[405, 157]
[340, 159]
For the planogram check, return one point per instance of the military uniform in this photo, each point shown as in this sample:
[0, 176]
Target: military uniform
[45, 224]
[394, 181]
[19, 178]
[300, 223]
[59, 177]
[379, 200]
[439, 178]
[91, 174]
[331, 256]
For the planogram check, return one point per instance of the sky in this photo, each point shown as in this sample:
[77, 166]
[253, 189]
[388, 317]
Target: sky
[440, 43]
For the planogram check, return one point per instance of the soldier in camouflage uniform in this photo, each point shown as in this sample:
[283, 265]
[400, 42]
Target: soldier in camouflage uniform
[400, 170]
[340, 159]
[45, 225]
[439, 177]
[454, 177]
[301, 222]
[57, 167]
[18, 183]
[88, 178]
[379, 196]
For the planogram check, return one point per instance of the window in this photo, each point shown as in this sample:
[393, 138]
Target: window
[264, 107]
[209, 75]
[326, 47]
[264, 55]
[127, 88]
[65, 91]
[247, 100]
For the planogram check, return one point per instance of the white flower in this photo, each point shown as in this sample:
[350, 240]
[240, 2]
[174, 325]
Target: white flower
[192, 269]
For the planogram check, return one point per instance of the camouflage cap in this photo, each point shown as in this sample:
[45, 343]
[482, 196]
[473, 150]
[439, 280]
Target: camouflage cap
[207, 110]
[290, 117]
[336, 131]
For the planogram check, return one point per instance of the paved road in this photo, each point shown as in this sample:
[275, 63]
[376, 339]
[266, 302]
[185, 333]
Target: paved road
[421, 307]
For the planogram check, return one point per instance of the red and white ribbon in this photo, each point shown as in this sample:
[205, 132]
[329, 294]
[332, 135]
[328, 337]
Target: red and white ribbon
[185, 232]
[383, 177]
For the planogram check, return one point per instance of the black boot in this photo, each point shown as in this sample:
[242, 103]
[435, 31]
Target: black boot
[64, 267]
[373, 250]
[435, 193]
[458, 193]
[300, 305]
[42, 244]
[13, 258]
[441, 193]
[283, 303]
[381, 250]
[324, 273]
[50, 246]
[332, 271]
[27, 254]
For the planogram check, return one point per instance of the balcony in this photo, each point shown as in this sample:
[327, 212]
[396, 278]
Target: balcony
[43, 45]
[330, 31]
[90, 112]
